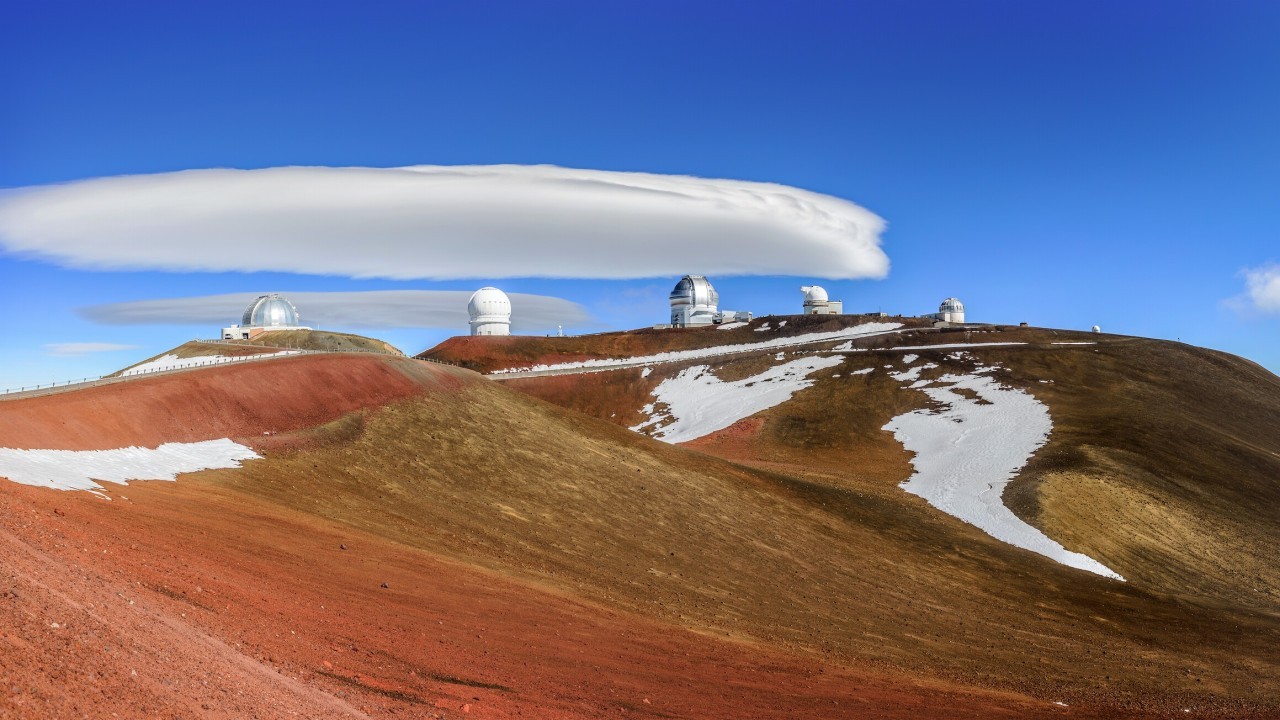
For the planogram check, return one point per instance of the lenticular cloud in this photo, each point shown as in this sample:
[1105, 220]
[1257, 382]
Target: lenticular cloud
[442, 222]
[368, 309]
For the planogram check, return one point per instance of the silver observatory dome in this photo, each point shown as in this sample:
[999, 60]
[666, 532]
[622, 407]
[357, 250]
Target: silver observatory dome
[270, 311]
[694, 290]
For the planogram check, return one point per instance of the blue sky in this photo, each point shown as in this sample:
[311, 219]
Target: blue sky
[1063, 164]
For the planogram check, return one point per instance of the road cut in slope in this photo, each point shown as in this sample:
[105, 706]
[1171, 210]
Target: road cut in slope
[696, 403]
[78, 469]
[857, 331]
[966, 453]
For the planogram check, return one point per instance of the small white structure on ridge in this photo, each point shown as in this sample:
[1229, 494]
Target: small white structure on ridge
[490, 311]
[265, 314]
[1096, 329]
[695, 302]
[816, 302]
[950, 311]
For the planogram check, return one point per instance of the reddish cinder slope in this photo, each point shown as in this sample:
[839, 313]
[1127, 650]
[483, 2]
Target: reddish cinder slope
[197, 598]
[236, 401]
[184, 600]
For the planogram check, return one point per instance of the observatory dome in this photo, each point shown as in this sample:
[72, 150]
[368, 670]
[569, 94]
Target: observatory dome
[490, 311]
[814, 294]
[951, 310]
[693, 301]
[272, 310]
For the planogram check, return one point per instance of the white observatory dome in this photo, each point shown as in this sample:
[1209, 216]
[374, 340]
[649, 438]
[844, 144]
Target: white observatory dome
[490, 311]
[951, 310]
[814, 294]
[270, 311]
[693, 301]
[1097, 329]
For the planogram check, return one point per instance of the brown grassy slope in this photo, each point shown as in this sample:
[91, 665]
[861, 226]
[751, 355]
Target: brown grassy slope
[194, 349]
[274, 341]
[322, 340]
[1163, 463]
[490, 476]
[486, 354]
[188, 600]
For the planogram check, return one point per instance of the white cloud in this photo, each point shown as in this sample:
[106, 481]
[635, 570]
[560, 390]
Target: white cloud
[442, 222]
[1262, 287]
[84, 348]
[332, 310]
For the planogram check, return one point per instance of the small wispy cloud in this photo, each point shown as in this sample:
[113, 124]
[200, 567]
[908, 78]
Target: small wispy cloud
[1262, 288]
[443, 222]
[333, 310]
[72, 349]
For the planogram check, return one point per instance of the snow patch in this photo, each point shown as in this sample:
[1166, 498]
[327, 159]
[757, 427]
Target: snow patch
[696, 403]
[731, 326]
[865, 330]
[782, 324]
[966, 453]
[948, 346]
[863, 371]
[646, 372]
[764, 327]
[913, 374]
[78, 469]
[910, 358]
[173, 362]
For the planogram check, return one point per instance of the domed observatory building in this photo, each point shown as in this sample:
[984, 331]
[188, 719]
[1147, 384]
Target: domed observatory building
[950, 311]
[816, 302]
[490, 311]
[695, 302]
[265, 314]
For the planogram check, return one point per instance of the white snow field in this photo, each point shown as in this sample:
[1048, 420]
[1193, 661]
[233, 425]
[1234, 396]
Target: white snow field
[966, 453]
[857, 331]
[731, 326]
[931, 347]
[173, 362]
[696, 403]
[78, 469]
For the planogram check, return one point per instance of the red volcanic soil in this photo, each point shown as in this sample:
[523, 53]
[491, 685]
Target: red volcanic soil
[196, 599]
[236, 401]
[190, 600]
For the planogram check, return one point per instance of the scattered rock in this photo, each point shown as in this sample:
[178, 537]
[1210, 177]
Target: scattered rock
[342, 547]
[384, 585]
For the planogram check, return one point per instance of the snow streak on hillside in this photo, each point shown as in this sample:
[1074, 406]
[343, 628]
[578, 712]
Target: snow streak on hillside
[968, 452]
[78, 469]
[696, 403]
[857, 331]
[173, 362]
